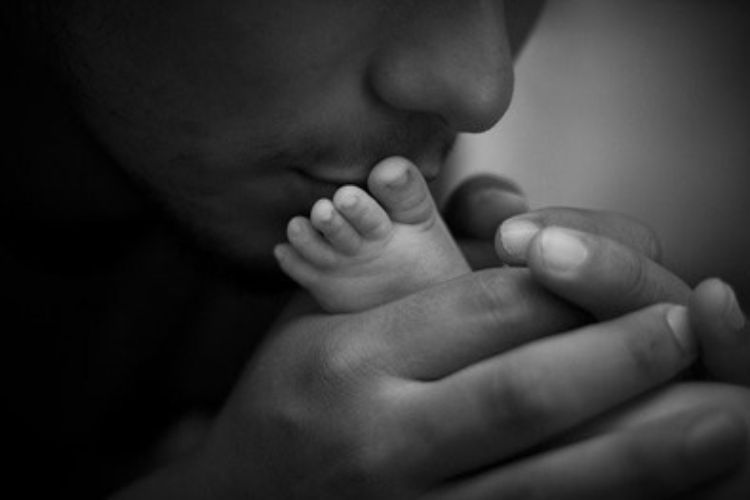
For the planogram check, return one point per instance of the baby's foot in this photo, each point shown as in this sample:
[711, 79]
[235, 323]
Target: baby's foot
[358, 251]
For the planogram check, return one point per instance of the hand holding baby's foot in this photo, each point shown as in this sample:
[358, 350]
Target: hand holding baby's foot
[357, 251]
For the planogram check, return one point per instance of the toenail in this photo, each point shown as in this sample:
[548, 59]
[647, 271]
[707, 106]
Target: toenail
[295, 226]
[324, 211]
[395, 176]
[347, 199]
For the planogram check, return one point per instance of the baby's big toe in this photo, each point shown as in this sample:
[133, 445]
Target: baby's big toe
[402, 190]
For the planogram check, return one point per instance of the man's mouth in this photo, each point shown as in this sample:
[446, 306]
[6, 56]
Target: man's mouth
[337, 176]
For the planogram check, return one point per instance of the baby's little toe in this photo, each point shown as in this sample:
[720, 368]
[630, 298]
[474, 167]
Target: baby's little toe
[294, 265]
[309, 244]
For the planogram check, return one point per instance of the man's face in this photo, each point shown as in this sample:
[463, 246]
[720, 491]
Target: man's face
[241, 113]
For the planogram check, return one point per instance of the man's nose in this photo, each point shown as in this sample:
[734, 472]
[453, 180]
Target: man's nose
[451, 59]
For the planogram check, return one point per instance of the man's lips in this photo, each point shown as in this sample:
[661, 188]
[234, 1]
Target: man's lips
[356, 176]
[336, 178]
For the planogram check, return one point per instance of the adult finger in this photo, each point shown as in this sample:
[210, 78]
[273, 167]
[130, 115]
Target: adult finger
[495, 409]
[480, 254]
[683, 398]
[474, 211]
[599, 274]
[722, 331]
[477, 207]
[514, 235]
[661, 460]
[452, 325]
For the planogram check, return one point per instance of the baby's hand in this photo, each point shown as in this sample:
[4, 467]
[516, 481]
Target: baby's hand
[720, 326]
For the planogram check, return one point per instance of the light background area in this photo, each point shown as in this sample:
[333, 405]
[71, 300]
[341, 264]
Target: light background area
[639, 106]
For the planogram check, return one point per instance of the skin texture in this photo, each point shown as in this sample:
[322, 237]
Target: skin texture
[418, 395]
[358, 251]
[239, 122]
[236, 116]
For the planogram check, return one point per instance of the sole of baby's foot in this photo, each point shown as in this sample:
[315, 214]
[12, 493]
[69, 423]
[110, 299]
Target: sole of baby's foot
[359, 249]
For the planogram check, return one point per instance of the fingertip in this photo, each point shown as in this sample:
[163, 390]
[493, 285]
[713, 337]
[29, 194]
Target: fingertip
[513, 239]
[733, 314]
[558, 252]
[715, 309]
[477, 207]
[679, 323]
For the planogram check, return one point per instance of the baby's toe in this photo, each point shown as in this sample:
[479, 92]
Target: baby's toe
[399, 186]
[294, 265]
[309, 244]
[326, 218]
[364, 214]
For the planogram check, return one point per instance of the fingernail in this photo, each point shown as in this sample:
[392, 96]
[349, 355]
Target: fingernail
[716, 443]
[516, 235]
[562, 251]
[733, 315]
[679, 323]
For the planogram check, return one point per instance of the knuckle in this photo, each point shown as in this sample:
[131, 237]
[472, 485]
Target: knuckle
[343, 360]
[637, 235]
[380, 448]
[650, 348]
[363, 468]
[636, 278]
[496, 290]
[513, 406]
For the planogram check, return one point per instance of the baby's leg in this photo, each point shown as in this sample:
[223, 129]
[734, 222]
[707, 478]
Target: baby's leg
[358, 251]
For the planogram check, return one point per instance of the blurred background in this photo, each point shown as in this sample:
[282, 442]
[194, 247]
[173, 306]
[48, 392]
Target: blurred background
[638, 106]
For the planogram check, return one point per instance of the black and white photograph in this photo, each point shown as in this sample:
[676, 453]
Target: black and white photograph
[376, 249]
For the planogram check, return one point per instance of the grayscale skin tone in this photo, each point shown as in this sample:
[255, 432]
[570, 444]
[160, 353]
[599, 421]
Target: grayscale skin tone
[239, 115]
[361, 249]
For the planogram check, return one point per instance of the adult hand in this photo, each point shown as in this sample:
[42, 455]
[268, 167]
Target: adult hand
[437, 395]
[608, 264]
[474, 211]
[611, 267]
[596, 266]
[723, 332]
[433, 395]
[674, 404]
